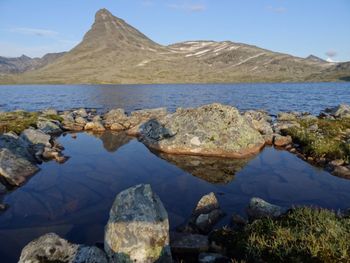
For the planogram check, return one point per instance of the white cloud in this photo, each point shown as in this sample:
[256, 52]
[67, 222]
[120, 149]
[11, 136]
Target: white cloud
[189, 7]
[34, 31]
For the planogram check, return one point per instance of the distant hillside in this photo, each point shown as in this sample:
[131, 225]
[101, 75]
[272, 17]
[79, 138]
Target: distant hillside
[24, 63]
[114, 52]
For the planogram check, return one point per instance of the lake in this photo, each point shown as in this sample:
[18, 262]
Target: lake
[73, 199]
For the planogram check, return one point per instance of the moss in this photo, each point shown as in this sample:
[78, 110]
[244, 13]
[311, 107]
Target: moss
[301, 235]
[17, 121]
[327, 141]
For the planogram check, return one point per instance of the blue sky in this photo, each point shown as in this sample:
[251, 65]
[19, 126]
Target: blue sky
[297, 27]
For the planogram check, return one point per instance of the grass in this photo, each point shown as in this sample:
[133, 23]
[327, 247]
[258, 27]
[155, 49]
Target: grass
[18, 121]
[301, 235]
[327, 141]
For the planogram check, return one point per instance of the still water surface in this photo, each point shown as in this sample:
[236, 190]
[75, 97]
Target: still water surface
[311, 97]
[73, 199]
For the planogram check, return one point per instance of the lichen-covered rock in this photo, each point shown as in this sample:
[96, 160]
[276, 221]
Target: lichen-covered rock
[260, 121]
[52, 248]
[96, 126]
[281, 141]
[81, 112]
[258, 208]
[36, 137]
[286, 116]
[15, 168]
[139, 117]
[80, 120]
[49, 111]
[341, 111]
[115, 116]
[211, 130]
[138, 227]
[48, 126]
[206, 204]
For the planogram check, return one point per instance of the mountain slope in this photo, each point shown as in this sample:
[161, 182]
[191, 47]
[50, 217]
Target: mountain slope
[114, 52]
[24, 63]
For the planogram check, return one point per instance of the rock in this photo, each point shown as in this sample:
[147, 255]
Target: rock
[16, 145]
[342, 171]
[117, 127]
[115, 116]
[188, 243]
[338, 162]
[138, 227]
[213, 258]
[342, 111]
[81, 113]
[36, 137]
[15, 168]
[52, 248]
[95, 126]
[286, 116]
[268, 138]
[205, 222]
[258, 208]
[211, 130]
[139, 117]
[49, 111]
[237, 220]
[259, 120]
[3, 207]
[69, 122]
[49, 127]
[80, 120]
[96, 118]
[3, 189]
[206, 204]
[281, 141]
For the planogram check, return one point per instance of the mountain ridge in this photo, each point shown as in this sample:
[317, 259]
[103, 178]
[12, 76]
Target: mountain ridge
[112, 51]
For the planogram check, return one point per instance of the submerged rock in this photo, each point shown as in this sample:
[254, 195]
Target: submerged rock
[258, 208]
[52, 248]
[211, 130]
[213, 258]
[138, 227]
[15, 168]
[183, 243]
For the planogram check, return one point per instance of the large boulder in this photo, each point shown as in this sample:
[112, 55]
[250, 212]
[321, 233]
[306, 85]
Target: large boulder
[138, 227]
[52, 248]
[211, 130]
[36, 137]
[15, 168]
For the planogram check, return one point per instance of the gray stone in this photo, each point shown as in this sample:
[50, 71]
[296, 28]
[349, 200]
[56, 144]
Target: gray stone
[205, 222]
[81, 112]
[260, 121]
[211, 130]
[49, 111]
[212, 258]
[49, 127]
[258, 208]
[206, 204]
[189, 243]
[138, 227]
[342, 111]
[96, 126]
[15, 168]
[52, 248]
[115, 116]
[342, 171]
[80, 120]
[36, 137]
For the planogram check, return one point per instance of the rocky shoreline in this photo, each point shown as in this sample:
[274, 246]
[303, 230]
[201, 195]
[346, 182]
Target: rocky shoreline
[29, 138]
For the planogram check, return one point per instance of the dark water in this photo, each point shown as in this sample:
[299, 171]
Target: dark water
[311, 97]
[74, 199]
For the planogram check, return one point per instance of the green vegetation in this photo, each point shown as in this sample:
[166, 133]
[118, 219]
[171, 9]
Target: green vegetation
[328, 140]
[301, 235]
[18, 121]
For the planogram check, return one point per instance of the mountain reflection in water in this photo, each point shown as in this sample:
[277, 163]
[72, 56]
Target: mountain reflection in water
[73, 199]
[211, 169]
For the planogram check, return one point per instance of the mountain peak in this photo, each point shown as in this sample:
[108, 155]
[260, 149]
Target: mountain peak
[103, 15]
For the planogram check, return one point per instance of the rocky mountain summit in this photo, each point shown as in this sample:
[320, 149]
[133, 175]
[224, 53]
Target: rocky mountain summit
[112, 51]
